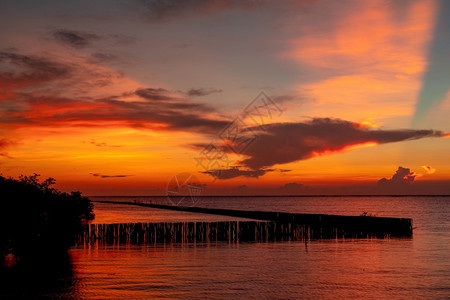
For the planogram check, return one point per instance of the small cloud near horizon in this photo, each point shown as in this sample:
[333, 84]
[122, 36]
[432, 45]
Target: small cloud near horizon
[291, 188]
[429, 169]
[108, 176]
[402, 175]
[400, 181]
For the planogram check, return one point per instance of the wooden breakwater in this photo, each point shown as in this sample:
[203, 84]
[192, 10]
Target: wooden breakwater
[351, 225]
[231, 231]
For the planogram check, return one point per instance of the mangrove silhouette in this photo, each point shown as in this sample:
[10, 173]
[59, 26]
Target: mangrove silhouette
[37, 222]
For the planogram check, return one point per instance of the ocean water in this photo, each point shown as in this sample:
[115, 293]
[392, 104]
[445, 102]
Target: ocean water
[396, 268]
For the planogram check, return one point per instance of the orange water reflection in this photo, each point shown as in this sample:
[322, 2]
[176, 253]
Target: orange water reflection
[417, 267]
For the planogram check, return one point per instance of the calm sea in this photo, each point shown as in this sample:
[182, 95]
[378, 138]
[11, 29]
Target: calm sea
[403, 268]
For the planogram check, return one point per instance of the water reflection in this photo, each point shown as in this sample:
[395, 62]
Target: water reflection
[287, 270]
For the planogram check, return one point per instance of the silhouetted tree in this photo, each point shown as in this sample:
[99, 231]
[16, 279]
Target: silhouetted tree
[37, 220]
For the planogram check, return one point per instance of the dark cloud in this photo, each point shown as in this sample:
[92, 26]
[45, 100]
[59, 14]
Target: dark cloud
[100, 57]
[109, 176]
[75, 39]
[202, 92]
[179, 115]
[402, 177]
[154, 94]
[292, 98]
[168, 10]
[281, 143]
[18, 67]
[401, 182]
[44, 77]
[163, 10]
[236, 172]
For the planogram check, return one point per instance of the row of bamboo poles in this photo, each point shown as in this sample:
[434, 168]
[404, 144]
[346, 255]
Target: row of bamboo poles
[187, 232]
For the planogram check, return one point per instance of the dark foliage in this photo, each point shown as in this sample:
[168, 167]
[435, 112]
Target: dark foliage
[38, 221]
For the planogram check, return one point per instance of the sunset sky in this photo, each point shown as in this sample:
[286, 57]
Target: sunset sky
[252, 97]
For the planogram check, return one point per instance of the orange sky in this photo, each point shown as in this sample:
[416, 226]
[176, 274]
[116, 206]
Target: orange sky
[120, 100]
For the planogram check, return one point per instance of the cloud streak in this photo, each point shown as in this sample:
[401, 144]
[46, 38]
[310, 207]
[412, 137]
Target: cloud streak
[57, 111]
[75, 39]
[52, 75]
[27, 68]
[201, 92]
[161, 11]
[236, 172]
[154, 94]
[109, 176]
